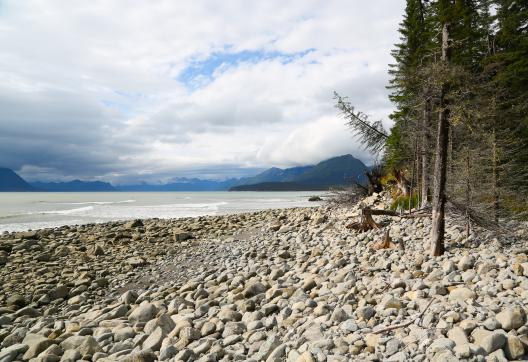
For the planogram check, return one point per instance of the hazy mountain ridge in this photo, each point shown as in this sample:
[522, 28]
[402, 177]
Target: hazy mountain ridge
[11, 182]
[183, 185]
[276, 186]
[335, 171]
[74, 186]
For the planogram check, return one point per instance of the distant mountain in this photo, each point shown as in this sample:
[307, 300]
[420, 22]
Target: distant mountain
[10, 181]
[183, 184]
[275, 186]
[334, 172]
[74, 186]
[275, 174]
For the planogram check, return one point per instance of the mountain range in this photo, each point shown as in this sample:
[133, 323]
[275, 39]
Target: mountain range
[74, 186]
[336, 171]
[10, 181]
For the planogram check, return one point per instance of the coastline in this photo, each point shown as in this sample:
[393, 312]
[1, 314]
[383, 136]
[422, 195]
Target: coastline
[278, 284]
[22, 212]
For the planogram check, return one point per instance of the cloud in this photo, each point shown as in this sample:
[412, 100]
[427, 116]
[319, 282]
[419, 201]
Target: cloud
[125, 91]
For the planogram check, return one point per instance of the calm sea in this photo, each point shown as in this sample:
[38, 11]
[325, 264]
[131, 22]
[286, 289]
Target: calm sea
[35, 210]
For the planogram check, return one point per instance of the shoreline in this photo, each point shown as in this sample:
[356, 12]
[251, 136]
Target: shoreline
[4, 232]
[278, 284]
[38, 212]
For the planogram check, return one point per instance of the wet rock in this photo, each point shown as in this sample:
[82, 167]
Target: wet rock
[132, 224]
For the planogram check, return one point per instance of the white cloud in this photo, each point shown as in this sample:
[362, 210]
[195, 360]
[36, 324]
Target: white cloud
[91, 90]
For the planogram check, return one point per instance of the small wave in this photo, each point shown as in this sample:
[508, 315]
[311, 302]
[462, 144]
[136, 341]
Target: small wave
[11, 216]
[66, 212]
[269, 200]
[188, 205]
[95, 202]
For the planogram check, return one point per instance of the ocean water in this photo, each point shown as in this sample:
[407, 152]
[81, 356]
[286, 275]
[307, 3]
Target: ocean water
[35, 210]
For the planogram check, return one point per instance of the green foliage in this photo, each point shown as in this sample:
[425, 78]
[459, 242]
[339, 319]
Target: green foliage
[483, 90]
[518, 207]
[409, 55]
[371, 134]
[484, 86]
[395, 149]
[405, 202]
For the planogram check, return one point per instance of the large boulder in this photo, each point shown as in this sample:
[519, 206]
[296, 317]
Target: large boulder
[36, 344]
[136, 261]
[514, 347]
[10, 353]
[143, 313]
[461, 294]
[180, 235]
[86, 345]
[254, 288]
[512, 318]
[153, 341]
[163, 321]
[96, 250]
[490, 341]
[16, 301]
[132, 224]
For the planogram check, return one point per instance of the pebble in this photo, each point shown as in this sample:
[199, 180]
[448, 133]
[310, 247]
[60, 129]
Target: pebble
[276, 285]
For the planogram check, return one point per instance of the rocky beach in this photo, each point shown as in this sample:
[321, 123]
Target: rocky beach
[278, 285]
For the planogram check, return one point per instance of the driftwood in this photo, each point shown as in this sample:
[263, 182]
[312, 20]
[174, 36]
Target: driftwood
[406, 324]
[367, 222]
[387, 243]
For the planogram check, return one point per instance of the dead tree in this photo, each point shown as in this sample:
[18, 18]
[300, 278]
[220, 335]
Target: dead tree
[401, 182]
[440, 170]
[426, 142]
[371, 134]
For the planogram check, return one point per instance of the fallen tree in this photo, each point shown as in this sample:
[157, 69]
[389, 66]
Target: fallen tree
[367, 222]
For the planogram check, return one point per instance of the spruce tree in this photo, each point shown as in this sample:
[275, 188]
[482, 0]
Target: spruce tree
[409, 55]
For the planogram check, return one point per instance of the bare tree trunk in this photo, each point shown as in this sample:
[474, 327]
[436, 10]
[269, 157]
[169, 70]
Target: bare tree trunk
[401, 182]
[442, 144]
[415, 157]
[468, 192]
[426, 143]
[495, 177]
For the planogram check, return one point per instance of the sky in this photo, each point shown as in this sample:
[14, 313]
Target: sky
[148, 91]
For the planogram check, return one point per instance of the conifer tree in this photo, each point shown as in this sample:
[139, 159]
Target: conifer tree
[409, 55]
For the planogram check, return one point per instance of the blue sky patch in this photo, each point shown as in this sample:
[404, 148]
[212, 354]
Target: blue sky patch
[201, 72]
